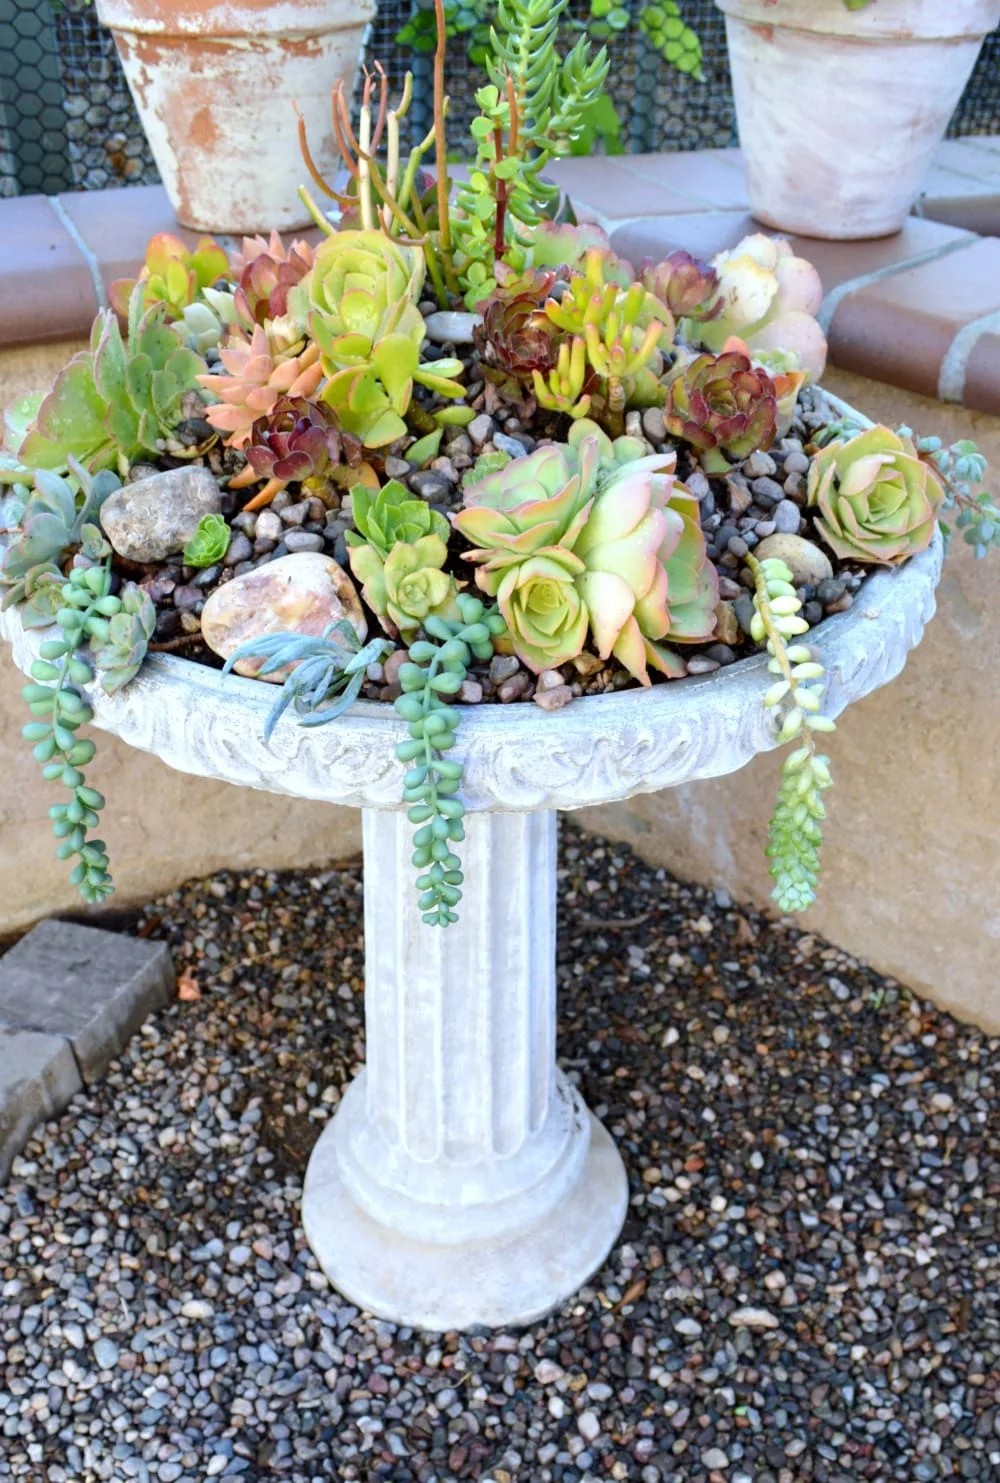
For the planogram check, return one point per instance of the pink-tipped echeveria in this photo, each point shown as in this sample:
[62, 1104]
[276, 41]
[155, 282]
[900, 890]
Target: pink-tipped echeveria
[359, 304]
[723, 406]
[875, 501]
[573, 543]
[267, 278]
[260, 372]
[769, 298]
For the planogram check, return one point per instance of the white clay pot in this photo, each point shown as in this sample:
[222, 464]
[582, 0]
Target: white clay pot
[840, 111]
[216, 83]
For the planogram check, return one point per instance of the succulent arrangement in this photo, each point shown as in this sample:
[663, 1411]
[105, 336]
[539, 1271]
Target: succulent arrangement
[548, 472]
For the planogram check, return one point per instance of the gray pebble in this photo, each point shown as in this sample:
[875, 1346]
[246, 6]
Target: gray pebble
[767, 492]
[269, 527]
[240, 549]
[480, 429]
[653, 425]
[509, 445]
[744, 610]
[296, 514]
[787, 518]
[759, 465]
[502, 666]
[430, 484]
[105, 1354]
[304, 540]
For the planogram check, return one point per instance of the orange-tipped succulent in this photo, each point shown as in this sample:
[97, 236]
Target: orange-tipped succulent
[172, 274]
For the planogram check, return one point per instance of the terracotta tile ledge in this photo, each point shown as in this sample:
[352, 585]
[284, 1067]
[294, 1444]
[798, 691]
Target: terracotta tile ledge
[920, 310]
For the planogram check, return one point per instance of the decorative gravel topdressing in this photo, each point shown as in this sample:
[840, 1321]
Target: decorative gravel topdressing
[803, 1289]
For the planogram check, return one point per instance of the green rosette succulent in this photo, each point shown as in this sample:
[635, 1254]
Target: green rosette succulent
[575, 541]
[358, 303]
[724, 407]
[392, 515]
[875, 500]
[407, 586]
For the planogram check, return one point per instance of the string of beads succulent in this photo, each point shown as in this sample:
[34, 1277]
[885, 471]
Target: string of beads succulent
[437, 667]
[115, 630]
[795, 833]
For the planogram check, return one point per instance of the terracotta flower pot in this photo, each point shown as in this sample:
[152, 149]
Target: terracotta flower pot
[840, 111]
[215, 82]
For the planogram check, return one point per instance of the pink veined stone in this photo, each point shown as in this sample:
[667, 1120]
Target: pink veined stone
[301, 593]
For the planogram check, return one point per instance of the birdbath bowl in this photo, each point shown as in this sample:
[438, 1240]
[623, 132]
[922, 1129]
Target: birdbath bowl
[462, 1180]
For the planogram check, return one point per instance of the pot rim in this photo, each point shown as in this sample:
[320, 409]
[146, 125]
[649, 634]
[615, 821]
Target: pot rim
[902, 22]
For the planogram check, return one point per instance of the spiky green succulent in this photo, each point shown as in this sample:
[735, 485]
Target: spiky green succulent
[391, 515]
[624, 328]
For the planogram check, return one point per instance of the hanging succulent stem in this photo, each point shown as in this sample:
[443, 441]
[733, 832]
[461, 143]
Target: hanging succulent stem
[795, 833]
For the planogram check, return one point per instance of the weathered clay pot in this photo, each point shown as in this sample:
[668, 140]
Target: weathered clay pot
[840, 111]
[215, 82]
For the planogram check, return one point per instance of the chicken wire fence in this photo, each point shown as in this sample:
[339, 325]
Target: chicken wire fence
[67, 120]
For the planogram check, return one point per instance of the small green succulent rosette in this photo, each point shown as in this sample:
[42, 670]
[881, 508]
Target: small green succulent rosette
[876, 501]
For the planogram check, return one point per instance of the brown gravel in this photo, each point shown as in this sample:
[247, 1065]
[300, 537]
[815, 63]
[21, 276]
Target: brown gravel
[805, 1288]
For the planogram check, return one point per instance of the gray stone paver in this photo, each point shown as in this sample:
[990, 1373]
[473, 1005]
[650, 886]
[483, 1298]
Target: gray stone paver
[38, 1075]
[70, 998]
[91, 986]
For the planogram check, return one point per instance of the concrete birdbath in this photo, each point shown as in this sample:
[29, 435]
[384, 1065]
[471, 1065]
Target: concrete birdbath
[462, 1179]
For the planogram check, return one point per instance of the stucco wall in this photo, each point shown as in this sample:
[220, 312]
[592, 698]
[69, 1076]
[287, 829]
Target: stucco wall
[910, 859]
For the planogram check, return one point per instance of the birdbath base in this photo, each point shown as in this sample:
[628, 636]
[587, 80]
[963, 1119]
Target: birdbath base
[513, 1278]
[462, 1180]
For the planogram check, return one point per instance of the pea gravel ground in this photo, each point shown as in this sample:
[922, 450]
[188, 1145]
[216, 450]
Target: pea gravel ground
[806, 1287]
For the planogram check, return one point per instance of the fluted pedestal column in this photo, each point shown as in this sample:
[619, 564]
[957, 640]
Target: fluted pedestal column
[462, 1180]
